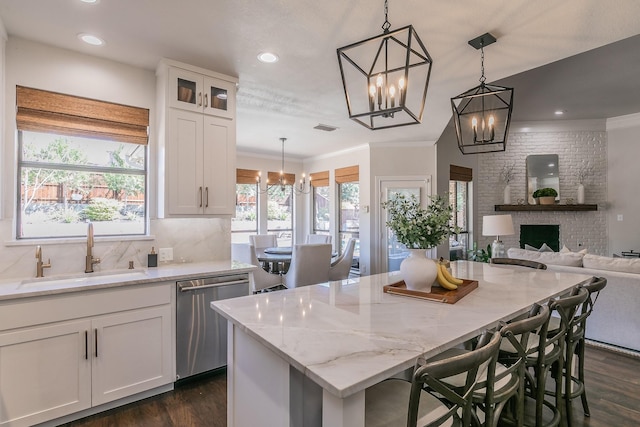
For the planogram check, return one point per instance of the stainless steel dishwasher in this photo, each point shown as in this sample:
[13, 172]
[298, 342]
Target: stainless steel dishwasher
[201, 333]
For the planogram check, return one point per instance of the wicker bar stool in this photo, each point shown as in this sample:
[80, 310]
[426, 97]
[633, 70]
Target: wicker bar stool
[545, 354]
[519, 262]
[575, 342]
[427, 401]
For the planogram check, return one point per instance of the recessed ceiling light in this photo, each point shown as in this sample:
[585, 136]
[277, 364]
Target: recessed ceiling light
[559, 112]
[91, 39]
[90, 1]
[268, 57]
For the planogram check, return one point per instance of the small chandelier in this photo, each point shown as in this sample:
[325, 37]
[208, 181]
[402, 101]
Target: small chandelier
[482, 115]
[385, 78]
[301, 188]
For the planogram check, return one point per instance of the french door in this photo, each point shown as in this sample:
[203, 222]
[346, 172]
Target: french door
[391, 252]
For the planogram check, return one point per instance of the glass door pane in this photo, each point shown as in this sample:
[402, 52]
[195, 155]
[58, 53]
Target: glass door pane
[392, 252]
[396, 251]
[186, 91]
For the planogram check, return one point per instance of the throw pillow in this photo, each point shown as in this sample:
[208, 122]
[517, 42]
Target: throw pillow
[550, 258]
[566, 250]
[543, 248]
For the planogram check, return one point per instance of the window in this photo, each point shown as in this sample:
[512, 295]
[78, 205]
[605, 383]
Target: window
[280, 208]
[460, 180]
[79, 160]
[349, 209]
[320, 183]
[245, 221]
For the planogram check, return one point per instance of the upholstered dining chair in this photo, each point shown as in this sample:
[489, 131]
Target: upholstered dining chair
[427, 400]
[318, 238]
[520, 262]
[263, 240]
[309, 265]
[262, 279]
[342, 265]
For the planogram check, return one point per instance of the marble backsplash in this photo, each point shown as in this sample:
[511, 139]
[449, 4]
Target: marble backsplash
[192, 240]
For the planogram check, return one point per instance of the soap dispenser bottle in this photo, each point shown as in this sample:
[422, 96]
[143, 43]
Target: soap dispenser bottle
[152, 258]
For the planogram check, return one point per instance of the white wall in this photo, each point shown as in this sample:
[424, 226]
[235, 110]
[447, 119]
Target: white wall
[622, 183]
[396, 159]
[49, 68]
[356, 156]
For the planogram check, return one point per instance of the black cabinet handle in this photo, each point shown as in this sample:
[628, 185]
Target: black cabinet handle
[86, 345]
[96, 340]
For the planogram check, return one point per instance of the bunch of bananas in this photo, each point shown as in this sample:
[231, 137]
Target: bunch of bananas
[446, 279]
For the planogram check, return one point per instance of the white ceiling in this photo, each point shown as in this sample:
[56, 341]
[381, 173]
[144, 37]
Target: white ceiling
[303, 89]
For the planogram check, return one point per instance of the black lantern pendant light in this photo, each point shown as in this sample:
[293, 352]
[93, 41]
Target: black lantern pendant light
[482, 115]
[385, 78]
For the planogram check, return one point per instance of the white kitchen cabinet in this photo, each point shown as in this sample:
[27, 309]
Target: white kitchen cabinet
[198, 159]
[57, 360]
[44, 373]
[131, 353]
[201, 93]
[197, 142]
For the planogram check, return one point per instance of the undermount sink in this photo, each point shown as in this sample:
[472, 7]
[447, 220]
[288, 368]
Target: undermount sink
[85, 278]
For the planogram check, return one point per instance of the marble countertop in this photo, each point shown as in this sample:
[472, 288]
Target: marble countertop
[30, 287]
[348, 335]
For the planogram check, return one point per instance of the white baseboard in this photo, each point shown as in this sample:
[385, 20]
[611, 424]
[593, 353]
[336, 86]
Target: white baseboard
[622, 350]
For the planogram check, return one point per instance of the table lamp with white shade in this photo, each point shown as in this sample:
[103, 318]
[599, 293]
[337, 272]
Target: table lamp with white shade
[497, 225]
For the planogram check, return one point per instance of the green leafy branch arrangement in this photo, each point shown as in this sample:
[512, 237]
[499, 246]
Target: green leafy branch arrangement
[419, 228]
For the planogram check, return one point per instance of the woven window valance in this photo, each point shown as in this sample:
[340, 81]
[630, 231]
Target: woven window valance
[320, 179]
[51, 112]
[348, 174]
[460, 173]
[246, 176]
[273, 177]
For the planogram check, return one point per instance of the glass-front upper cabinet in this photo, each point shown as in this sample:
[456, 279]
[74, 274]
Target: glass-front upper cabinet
[196, 92]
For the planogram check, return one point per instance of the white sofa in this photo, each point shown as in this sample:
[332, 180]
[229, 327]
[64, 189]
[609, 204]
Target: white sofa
[616, 315]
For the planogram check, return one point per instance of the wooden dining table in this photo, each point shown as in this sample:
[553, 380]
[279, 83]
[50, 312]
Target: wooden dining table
[305, 356]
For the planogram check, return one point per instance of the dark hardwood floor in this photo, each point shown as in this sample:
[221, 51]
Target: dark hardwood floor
[613, 388]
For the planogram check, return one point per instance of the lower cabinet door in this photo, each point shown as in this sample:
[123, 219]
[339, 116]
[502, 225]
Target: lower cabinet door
[131, 353]
[45, 372]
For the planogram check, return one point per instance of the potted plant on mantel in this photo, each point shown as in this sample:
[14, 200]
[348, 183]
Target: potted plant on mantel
[545, 196]
[419, 229]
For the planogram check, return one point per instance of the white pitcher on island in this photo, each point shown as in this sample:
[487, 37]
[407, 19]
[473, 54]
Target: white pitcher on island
[418, 229]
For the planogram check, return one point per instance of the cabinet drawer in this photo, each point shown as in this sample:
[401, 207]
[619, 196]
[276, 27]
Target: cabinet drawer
[60, 307]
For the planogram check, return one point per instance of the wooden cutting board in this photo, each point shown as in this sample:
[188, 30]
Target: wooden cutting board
[436, 293]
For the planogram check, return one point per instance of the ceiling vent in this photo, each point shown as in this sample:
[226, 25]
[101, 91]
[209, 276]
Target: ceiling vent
[325, 128]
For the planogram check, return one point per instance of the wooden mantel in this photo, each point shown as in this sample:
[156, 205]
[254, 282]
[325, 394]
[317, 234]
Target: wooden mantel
[545, 208]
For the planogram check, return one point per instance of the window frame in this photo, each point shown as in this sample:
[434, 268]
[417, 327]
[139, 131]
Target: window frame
[69, 116]
[22, 164]
[257, 212]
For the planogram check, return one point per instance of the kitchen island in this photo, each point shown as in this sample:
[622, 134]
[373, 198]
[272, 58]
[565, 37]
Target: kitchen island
[305, 356]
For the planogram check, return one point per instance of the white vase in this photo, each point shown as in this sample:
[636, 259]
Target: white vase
[580, 194]
[418, 271]
[507, 194]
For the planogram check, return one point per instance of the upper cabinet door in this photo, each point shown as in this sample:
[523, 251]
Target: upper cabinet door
[219, 98]
[186, 90]
[195, 92]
